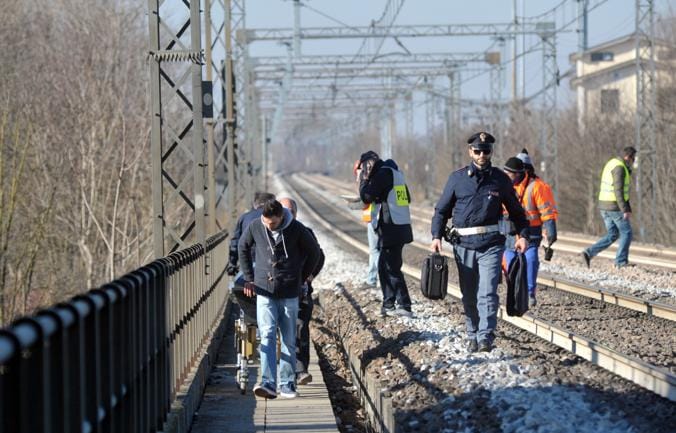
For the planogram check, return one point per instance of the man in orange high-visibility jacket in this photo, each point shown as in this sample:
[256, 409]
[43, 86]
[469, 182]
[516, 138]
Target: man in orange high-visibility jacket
[538, 202]
[374, 252]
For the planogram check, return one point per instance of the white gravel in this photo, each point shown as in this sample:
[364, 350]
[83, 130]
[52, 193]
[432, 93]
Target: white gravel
[522, 403]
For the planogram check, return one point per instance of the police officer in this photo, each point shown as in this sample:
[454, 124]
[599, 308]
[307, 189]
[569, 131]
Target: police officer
[383, 184]
[474, 197]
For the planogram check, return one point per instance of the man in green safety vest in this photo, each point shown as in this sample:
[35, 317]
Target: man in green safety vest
[615, 208]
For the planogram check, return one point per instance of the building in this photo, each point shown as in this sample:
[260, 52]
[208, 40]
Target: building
[605, 80]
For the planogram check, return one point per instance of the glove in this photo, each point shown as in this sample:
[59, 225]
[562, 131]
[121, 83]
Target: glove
[231, 269]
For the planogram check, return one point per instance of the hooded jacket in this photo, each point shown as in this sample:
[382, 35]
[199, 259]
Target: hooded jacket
[284, 259]
[242, 223]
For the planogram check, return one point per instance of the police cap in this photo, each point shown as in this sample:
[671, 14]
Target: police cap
[481, 140]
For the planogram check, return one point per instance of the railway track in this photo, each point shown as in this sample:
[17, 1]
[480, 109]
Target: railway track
[568, 243]
[651, 308]
[657, 379]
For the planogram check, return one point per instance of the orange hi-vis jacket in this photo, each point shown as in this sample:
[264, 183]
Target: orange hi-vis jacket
[537, 199]
[366, 213]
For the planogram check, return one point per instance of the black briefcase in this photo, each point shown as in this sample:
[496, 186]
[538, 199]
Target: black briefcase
[434, 278]
[517, 286]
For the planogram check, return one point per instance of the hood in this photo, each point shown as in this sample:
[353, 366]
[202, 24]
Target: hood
[390, 163]
[287, 219]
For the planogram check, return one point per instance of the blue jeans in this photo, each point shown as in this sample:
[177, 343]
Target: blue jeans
[479, 273]
[617, 226]
[532, 265]
[272, 313]
[374, 253]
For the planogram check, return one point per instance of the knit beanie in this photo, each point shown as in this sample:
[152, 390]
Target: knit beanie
[525, 157]
[514, 165]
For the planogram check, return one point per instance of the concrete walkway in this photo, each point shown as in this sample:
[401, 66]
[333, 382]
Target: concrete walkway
[225, 410]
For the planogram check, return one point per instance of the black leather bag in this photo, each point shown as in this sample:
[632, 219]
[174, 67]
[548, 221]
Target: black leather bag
[517, 286]
[434, 278]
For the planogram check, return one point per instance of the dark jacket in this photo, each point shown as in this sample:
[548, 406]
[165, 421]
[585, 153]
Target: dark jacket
[375, 189]
[282, 266]
[618, 185]
[475, 197]
[242, 223]
[320, 262]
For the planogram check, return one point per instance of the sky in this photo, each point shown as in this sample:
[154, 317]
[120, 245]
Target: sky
[612, 19]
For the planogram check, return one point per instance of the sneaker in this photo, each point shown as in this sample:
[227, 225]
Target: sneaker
[471, 345]
[586, 258]
[399, 312]
[303, 378]
[623, 265]
[532, 302]
[484, 346]
[386, 311]
[265, 390]
[288, 390]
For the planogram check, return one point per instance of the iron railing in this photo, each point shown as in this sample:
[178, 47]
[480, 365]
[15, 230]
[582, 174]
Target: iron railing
[113, 359]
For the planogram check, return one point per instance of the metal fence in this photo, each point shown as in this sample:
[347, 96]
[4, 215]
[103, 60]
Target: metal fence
[113, 359]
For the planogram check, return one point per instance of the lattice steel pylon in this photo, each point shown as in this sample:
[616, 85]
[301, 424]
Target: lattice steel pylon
[244, 100]
[548, 125]
[496, 107]
[175, 64]
[646, 177]
[455, 119]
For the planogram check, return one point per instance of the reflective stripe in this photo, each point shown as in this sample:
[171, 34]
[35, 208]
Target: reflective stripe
[466, 231]
[397, 201]
[536, 213]
[607, 191]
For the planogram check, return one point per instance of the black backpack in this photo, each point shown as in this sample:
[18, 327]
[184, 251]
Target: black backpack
[434, 278]
[517, 286]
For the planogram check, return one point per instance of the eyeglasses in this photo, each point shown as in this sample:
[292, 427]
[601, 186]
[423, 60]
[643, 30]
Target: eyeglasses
[480, 151]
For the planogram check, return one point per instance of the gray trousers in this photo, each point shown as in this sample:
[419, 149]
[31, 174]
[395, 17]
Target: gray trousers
[479, 273]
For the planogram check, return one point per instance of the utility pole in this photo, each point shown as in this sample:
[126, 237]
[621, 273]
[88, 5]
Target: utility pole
[582, 45]
[230, 119]
[646, 177]
[210, 124]
[296, 29]
[548, 114]
[514, 54]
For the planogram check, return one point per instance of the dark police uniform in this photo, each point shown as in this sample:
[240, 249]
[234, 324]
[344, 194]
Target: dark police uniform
[474, 198]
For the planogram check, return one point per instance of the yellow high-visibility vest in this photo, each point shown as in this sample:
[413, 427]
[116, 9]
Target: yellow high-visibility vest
[607, 192]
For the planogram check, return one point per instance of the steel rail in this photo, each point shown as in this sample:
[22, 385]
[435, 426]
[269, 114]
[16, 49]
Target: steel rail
[643, 255]
[648, 376]
[650, 308]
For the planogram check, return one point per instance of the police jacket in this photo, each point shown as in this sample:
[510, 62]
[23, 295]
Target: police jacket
[242, 223]
[537, 200]
[376, 189]
[474, 198]
[282, 264]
